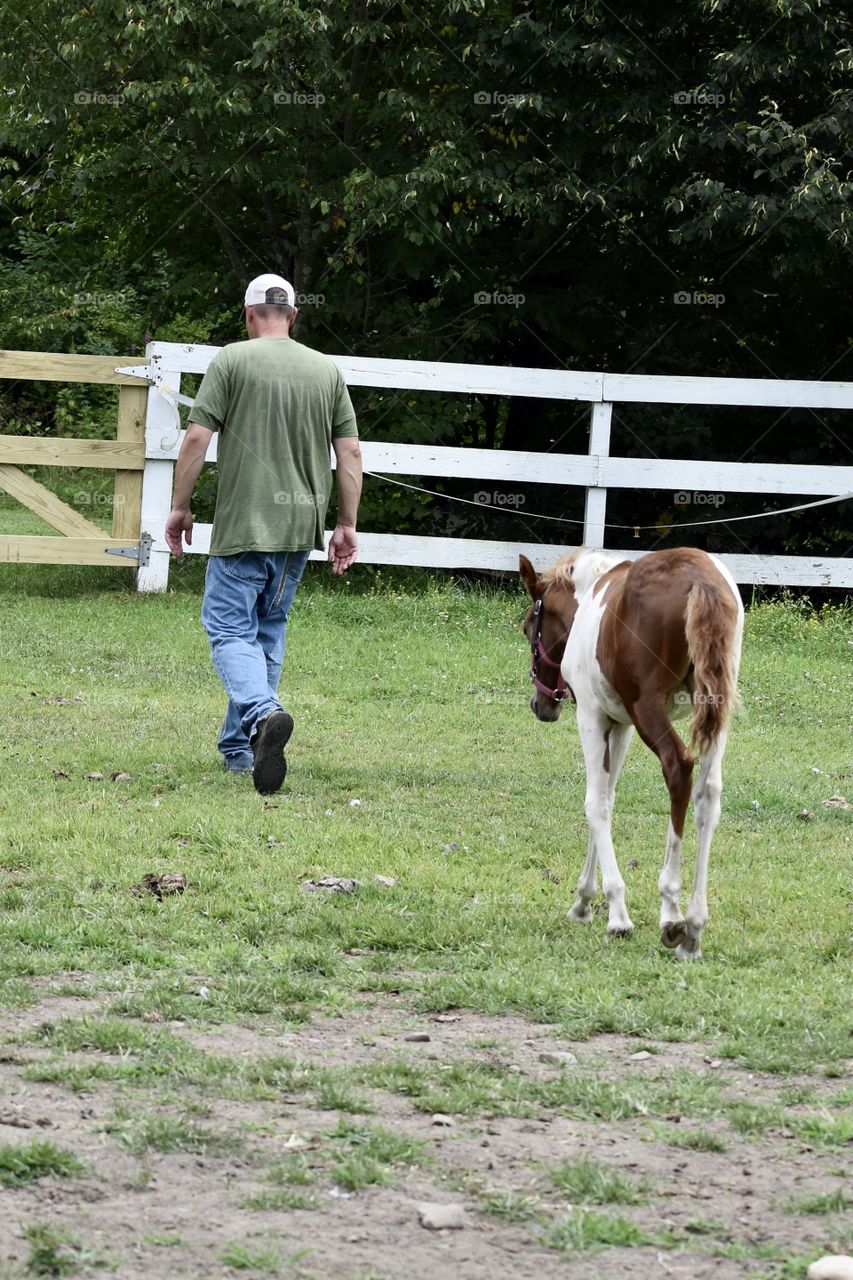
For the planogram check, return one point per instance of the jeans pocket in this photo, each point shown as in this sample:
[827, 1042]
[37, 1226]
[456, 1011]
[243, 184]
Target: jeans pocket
[247, 566]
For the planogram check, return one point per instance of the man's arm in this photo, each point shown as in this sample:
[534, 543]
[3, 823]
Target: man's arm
[343, 546]
[188, 468]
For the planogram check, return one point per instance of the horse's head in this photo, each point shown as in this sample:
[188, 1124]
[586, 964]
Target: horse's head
[547, 625]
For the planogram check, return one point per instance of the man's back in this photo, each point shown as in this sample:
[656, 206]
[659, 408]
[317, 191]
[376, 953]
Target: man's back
[277, 406]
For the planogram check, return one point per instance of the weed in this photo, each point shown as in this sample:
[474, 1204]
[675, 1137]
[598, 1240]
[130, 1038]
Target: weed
[690, 1139]
[586, 1182]
[240, 1258]
[22, 1165]
[828, 1202]
[587, 1232]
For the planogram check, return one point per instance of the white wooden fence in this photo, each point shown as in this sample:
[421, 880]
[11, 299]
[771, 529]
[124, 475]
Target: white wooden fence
[595, 471]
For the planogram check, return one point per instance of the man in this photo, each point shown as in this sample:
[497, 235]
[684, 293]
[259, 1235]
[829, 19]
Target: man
[278, 406]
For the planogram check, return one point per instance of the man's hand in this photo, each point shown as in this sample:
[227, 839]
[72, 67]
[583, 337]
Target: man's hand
[343, 548]
[180, 522]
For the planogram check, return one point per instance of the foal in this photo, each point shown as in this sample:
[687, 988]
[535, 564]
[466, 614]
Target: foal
[640, 643]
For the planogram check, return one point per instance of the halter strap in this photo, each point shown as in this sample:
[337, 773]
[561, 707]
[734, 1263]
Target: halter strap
[560, 690]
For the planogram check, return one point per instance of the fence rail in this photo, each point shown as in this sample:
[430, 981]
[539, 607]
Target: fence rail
[149, 434]
[595, 472]
[82, 541]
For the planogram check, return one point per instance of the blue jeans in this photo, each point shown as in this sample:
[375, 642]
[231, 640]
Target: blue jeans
[247, 598]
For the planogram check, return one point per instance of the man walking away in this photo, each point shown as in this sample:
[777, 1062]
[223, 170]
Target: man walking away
[278, 407]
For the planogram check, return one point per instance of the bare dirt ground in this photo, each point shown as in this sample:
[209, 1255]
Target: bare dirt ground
[163, 1215]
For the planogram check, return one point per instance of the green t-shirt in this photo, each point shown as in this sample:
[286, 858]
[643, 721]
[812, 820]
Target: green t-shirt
[277, 407]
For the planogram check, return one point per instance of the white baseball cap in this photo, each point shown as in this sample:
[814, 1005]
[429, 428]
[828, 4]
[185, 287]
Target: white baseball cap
[270, 291]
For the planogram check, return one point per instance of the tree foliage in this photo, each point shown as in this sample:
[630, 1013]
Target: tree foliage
[584, 167]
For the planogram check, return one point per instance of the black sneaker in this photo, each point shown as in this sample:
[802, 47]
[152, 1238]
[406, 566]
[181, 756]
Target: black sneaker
[268, 742]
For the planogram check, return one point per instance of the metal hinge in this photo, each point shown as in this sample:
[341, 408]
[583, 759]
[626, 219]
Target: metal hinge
[153, 374]
[141, 554]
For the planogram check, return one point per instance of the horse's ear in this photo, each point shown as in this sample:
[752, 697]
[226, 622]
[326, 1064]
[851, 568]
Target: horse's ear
[529, 576]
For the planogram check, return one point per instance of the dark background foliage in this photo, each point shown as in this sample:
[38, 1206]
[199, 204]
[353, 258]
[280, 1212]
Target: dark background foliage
[595, 163]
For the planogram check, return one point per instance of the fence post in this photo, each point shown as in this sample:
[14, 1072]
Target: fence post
[596, 498]
[157, 485]
[127, 498]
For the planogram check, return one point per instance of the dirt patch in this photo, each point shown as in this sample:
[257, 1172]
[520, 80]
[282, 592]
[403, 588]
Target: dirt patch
[160, 1213]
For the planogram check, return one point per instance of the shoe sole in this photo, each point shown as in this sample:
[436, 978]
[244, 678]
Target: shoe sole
[270, 767]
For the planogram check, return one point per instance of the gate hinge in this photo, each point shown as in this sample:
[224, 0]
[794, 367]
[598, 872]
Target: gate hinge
[141, 554]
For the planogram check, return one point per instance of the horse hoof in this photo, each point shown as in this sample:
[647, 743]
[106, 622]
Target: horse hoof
[580, 915]
[620, 933]
[672, 934]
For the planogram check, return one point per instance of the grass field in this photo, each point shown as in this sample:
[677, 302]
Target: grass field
[415, 759]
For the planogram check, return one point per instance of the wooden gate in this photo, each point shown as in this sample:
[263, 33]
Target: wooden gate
[82, 541]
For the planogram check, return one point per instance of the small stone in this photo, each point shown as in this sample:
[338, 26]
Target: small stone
[442, 1121]
[152, 1015]
[832, 1267]
[558, 1058]
[60, 773]
[441, 1217]
[119, 776]
[838, 802]
[387, 881]
[642, 1056]
[418, 1037]
[449, 848]
[805, 814]
[632, 864]
[95, 777]
[355, 804]
[203, 993]
[447, 1017]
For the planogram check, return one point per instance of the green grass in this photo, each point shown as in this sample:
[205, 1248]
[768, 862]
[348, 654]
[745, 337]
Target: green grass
[691, 1139]
[141, 1133]
[586, 1182]
[370, 1155]
[410, 696]
[427, 725]
[828, 1202]
[585, 1231]
[21, 1165]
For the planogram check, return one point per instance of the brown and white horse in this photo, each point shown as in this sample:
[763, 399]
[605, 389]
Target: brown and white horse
[640, 643]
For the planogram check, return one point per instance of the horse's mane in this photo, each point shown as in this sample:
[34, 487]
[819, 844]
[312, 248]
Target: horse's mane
[560, 574]
[565, 573]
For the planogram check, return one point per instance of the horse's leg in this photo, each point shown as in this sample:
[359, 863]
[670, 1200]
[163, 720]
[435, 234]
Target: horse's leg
[706, 808]
[587, 885]
[655, 729]
[603, 743]
[618, 742]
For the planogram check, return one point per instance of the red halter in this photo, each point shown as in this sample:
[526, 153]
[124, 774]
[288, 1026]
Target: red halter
[561, 690]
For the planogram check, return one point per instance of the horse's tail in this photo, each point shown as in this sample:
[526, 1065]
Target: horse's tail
[712, 624]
